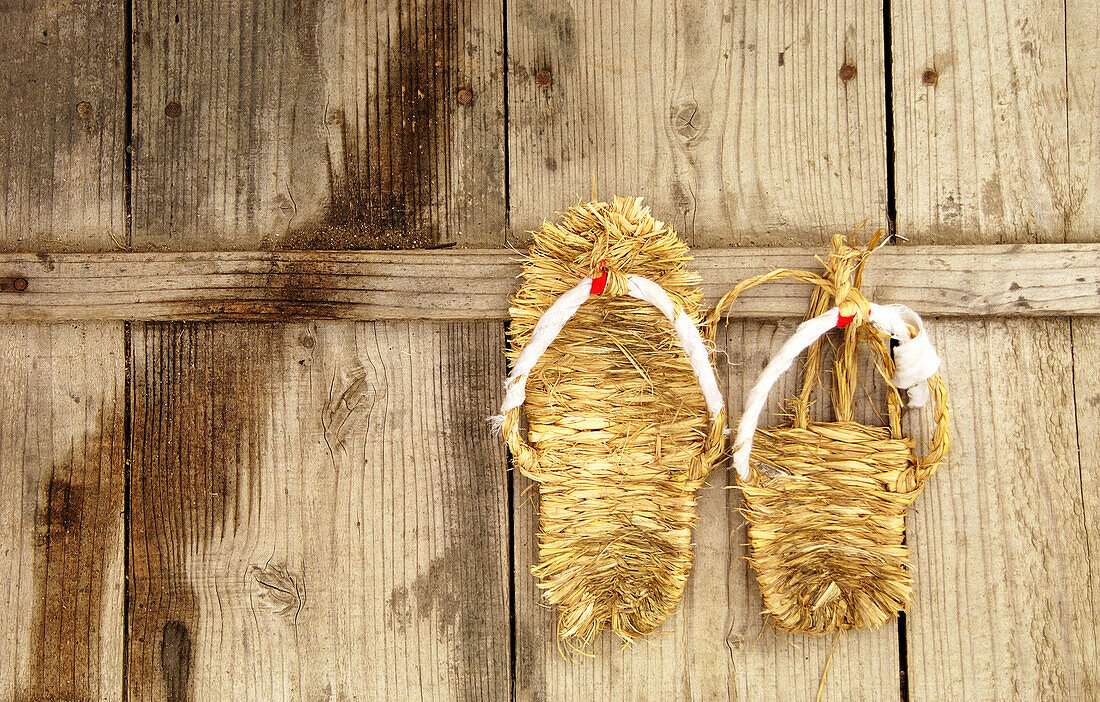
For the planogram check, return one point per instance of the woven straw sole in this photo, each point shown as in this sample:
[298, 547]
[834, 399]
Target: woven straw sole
[826, 526]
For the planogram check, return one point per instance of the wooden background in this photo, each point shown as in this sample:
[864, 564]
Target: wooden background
[316, 510]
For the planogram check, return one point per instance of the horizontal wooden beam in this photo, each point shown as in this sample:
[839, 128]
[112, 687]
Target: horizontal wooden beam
[968, 281]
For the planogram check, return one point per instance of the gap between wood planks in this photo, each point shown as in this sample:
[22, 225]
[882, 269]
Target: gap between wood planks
[1038, 280]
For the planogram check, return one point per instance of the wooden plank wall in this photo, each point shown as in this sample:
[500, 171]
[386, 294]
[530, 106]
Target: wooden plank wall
[317, 511]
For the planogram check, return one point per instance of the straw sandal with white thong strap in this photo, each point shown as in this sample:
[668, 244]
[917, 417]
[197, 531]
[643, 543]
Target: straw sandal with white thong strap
[625, 417]
[825, 501]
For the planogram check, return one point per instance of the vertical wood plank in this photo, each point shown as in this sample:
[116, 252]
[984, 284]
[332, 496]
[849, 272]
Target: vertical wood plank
[1083, 81]
[756, 123]
[1083, 75]
[325, 124]
[1005, 593]
[1086, 397]
[319, 512]
[62, 126]
[980, 121]
[61, 511]
[740, 125]
[986, 154]
[62, 397]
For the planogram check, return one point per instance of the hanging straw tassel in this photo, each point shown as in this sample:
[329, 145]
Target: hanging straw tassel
[624, 414]
[825, 501]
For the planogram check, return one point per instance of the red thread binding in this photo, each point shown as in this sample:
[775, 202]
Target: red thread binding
[600, 282]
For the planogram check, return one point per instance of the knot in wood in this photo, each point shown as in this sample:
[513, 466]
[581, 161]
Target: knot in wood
[276, 590]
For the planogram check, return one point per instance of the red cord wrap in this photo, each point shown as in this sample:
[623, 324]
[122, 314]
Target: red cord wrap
[599, 282]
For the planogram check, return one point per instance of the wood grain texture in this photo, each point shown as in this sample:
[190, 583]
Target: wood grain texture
[1083, 82]
[324, 124]
[319, 512]
[62, 126]
[1086, 399]
[986, 154]
[62, 558]
[1038, 280]
[980, 121]
[740, 124]
[1005, 604]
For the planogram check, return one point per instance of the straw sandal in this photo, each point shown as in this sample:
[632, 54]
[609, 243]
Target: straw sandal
[825, 502]
[625, 418]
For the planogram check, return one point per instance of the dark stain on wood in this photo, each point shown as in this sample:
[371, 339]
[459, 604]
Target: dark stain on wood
[387, 173]
[76, 521]
[175, 660]
[62, 510]
[200, 398]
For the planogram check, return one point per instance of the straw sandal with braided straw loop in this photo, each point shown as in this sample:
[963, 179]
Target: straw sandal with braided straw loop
[825, 501]
[625, 417]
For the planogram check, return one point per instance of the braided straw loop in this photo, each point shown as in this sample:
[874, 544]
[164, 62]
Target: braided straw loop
[825, 501]
[618, 433]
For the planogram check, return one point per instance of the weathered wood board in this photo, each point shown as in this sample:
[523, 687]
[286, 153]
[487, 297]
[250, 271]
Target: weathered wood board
[758, 124]
[1083, 87]
[318, 125]
[965, 281]
[62, 126]
[1004, 594]
[980, 122]
[322, 516]
[747, 123]
[62, 387]
[986, 154]
[319, 511]
[62, 487]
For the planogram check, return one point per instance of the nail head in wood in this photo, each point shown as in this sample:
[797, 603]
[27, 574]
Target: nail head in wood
[847, 72]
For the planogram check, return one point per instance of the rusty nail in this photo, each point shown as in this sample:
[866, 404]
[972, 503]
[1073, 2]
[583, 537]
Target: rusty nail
[543, 78]
[173, 109]
[20, 284]
[465, 96]
[84, 109]
[847, 72]
[930, 77]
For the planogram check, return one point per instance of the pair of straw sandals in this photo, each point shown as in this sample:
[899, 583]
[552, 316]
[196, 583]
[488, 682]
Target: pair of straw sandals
[611, 357]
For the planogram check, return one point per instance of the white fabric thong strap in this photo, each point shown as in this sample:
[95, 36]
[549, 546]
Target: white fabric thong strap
[563, 309]
[915, 362]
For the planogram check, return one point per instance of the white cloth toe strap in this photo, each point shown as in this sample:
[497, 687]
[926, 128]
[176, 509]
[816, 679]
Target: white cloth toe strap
[563, 309]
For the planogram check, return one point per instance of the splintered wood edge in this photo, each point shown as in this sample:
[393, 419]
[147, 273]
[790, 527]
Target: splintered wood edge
[958, 281]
